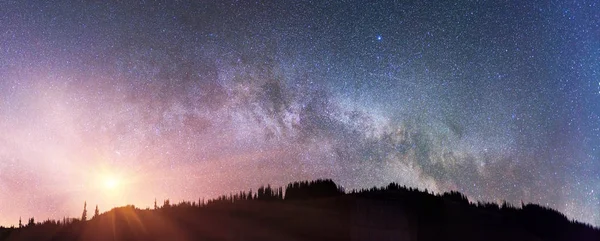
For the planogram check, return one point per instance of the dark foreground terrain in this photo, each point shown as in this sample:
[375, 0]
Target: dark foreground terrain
[318, 211]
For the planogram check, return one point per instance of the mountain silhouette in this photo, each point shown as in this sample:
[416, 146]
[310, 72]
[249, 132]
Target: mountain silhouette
[316, 210]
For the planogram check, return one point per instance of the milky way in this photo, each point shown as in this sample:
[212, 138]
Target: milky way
[190, 100]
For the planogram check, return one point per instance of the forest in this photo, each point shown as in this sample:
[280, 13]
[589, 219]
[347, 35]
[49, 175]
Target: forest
[315, 210]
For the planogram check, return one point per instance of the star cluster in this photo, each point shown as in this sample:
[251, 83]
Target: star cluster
[190, 99]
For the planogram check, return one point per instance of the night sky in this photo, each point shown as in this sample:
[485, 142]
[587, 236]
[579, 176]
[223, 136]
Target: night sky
[121, 103]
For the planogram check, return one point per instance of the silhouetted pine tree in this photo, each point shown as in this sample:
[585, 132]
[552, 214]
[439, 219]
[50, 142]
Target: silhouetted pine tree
[280, 193]
[20, 223]
[84, 214]
[96, 212]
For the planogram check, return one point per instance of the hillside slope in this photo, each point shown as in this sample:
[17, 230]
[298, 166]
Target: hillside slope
[319, 211]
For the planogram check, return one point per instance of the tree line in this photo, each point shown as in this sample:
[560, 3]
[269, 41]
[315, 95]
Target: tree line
[431, 209]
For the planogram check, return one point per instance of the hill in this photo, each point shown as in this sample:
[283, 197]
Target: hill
[318, 210]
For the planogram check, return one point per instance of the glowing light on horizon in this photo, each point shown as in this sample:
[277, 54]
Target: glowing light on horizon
[111, 183]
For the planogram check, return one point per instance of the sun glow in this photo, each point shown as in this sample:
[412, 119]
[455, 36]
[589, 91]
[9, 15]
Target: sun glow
[111, 183]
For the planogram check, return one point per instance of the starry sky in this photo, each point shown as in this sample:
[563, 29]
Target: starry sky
[183, 100]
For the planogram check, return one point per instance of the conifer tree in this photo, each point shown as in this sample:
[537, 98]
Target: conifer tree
[84, 214]
[96, 212]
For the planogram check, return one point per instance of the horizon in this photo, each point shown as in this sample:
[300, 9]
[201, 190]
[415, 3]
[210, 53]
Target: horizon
[201, 202]
[122, 103]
